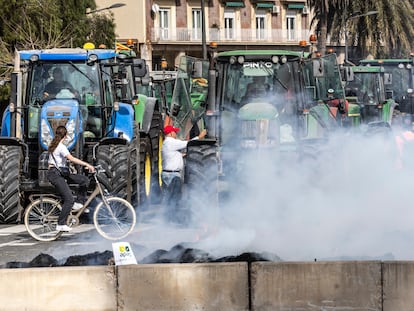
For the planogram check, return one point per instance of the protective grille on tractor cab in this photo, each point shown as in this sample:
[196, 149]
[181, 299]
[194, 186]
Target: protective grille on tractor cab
[255, 133]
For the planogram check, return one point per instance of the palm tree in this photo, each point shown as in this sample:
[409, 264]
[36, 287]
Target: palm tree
[325, 13]
[386, 34]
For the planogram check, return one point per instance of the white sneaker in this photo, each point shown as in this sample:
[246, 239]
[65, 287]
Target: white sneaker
[64, 228]
[77, 206]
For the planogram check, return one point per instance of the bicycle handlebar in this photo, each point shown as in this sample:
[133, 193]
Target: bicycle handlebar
[99, 169]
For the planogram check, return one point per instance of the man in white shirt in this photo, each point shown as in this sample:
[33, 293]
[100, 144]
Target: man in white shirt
[172, 168]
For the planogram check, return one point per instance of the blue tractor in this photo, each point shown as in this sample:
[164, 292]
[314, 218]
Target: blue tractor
[102, 128]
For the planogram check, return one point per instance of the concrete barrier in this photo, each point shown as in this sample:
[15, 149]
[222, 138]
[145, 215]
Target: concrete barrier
[285, 286]
[398, 285]
[184, 287]
[61, 288]
[314, 286]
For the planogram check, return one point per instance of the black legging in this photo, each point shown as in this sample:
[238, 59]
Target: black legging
[63, 189]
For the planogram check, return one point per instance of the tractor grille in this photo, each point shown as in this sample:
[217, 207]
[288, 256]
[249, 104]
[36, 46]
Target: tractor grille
[259, 133]
[55, 123]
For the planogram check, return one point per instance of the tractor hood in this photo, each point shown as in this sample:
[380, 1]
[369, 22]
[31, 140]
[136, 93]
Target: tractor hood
[258, 111]
[56, 112]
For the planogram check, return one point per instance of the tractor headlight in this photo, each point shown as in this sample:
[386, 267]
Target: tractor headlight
[34, 58]
[46, 136]
[70, 136]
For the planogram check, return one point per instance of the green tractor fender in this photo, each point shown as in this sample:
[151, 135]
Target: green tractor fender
[144, 112]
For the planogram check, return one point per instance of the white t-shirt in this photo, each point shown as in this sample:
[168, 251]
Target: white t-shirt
[59, 156]
[172, 158]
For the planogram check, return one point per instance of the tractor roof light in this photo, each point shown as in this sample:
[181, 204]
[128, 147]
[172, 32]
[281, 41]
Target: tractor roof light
[89, 46]
[240, 59]
[401, 66]
[34, 58]
[409, 66]
[92, 58]
[213, 45]
[283, 59]
[275, 59]
[232, 60]
[303, 43]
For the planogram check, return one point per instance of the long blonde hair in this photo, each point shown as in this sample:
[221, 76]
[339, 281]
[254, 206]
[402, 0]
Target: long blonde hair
[59, 135]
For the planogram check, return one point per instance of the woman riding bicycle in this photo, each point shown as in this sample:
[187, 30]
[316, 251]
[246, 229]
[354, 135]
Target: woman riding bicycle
[58, 156]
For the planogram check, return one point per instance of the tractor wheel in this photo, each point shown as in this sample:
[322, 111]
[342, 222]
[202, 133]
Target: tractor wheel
[145, 176]
[11, 160]
[201, 184]
[120, 164]
[156, 138]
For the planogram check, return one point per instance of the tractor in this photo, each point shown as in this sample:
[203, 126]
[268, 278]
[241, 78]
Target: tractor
[261, 106]
[398, 82]
[102, 126]
[365, 88]
[149, 113]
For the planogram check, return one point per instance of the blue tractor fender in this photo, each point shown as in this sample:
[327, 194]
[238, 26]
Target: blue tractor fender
[123, 123]
[148, 113]
[5, 123]
[59, 110]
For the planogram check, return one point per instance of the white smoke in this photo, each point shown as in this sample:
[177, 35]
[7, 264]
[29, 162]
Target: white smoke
[350, 202]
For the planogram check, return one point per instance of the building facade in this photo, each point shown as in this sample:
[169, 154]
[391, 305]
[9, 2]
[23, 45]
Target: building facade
[167, 29]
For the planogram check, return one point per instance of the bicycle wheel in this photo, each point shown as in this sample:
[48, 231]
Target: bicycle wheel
[41, 218]
[114, 219]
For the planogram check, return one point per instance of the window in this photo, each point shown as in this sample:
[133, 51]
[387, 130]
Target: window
[196, 24]
[164, 23]
[229, 27]
[260, 24]
[291, 25]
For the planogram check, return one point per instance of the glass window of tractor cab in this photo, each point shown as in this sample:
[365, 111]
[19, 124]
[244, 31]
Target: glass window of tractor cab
[248, 82]
[63, 81]
[49, 81]
[261, 84]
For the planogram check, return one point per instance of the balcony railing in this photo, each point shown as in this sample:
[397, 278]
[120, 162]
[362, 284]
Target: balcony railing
[229, 35]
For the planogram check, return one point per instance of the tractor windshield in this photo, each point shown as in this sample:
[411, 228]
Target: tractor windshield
[63, 81]
[66, 81]
[260, 94]
[367, 87]
[188, 101]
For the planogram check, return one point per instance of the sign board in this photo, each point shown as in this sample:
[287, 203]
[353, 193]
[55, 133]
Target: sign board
[123, 254]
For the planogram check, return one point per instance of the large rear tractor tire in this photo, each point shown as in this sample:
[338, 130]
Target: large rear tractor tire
[201, 184]
[121, 169]
[156, 137]
[11, 159]
[146, 175]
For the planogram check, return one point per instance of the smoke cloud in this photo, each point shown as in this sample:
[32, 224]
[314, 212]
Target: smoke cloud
[349, 201]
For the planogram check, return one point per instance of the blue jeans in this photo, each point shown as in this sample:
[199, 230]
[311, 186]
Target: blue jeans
[65, 192]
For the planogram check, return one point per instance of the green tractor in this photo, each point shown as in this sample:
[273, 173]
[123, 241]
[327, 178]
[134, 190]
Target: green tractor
[365, 87]
[130, 75]
[398, 82]
[257, 106]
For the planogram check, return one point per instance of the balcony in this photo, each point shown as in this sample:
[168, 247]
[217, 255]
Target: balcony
[228, 36]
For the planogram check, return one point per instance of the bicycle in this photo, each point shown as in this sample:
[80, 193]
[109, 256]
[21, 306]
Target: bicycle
[114, 218]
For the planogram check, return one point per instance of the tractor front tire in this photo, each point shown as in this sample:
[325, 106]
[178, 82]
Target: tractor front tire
[11, 159]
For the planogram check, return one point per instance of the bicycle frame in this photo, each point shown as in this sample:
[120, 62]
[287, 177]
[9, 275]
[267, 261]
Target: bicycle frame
[98, 191]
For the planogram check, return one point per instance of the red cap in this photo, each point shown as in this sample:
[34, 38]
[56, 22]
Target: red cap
[169, 128]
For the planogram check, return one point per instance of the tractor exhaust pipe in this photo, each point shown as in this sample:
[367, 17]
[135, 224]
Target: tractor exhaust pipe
[16, 98]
